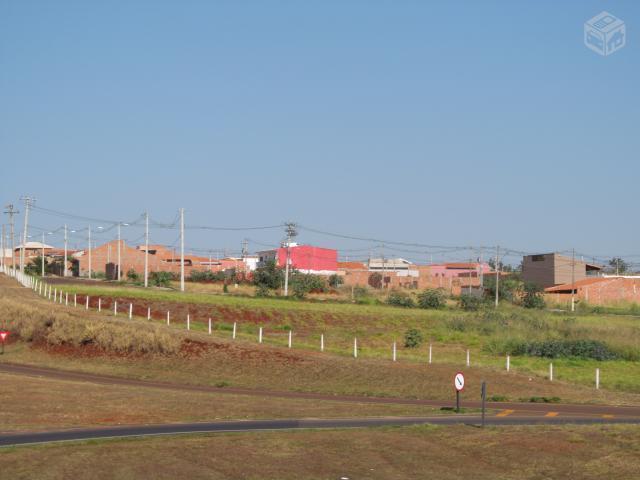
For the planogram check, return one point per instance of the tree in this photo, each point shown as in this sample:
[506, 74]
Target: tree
[335, 280]
[508, 287]
[532, 296]
[470, 303]
[303, 283]
[375, 280]
[618, 265]
[432, 298]
[412, 338]
[268, 276]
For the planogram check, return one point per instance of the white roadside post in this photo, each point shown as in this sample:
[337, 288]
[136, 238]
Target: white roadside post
[355, 348]
[130, 311]
[468, 359]
[99, 304]
[597, 378]
[394, 351]
[290, 333]
[209, 326]
[115, 308]
[55, 294]
[60, 297]
[188, 322]
[551, 372]
[66, 299]
[508, 363]
[40, 289]
[234, 330]
[86, 306]
[75, 299]
[322, 342]
[168, 318]
[260, 335]
[148, 313]
[430, 353]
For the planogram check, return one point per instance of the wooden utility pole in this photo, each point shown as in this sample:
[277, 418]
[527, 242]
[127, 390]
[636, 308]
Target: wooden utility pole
[146, 249]
[573, 279]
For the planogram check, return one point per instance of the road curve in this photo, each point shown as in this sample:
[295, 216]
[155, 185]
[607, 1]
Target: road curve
[27, 438]
[5, 367]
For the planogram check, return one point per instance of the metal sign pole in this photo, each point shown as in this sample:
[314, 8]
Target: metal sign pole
[457, 401]
[483, 393]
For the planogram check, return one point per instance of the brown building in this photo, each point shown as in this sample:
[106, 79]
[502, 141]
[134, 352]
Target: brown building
[598, 290]
[551, 269]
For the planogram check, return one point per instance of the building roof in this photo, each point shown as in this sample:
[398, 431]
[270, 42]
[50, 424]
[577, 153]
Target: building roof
[389, 263]
[34, 245]
[462, 265]
[585, 282]
[352, 265]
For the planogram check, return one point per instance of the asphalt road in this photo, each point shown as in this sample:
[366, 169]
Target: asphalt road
[27, 438]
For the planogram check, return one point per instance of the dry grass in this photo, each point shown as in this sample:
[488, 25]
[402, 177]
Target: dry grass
[445, 453]
[39, 404]
[33, 323]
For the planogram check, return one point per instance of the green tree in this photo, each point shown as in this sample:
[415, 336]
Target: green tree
[432, 298]
[304, 283]
[470, 302]
[335, 280]
[375, 280]
[508, 287]
[618, 265]
[268, 276]
[532, 296]
[412, 338]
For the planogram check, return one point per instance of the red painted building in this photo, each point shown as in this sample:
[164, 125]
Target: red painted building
[304, 258]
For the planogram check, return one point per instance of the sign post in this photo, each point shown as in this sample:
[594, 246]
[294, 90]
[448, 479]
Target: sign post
[458, 383]
[483, 394]
[3, 336]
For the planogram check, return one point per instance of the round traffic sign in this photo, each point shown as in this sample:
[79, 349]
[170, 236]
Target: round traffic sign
[458, 381]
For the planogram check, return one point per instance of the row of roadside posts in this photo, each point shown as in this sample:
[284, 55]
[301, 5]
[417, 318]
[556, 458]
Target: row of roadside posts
[458, 383]
[37, 285]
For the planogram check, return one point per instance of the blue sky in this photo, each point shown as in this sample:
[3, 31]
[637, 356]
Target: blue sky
[438, 123]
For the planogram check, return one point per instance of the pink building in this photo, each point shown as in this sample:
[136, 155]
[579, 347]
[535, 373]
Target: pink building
[459, 269]
[305, 258]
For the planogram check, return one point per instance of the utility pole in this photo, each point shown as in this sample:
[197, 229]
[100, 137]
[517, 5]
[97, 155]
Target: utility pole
[182, 250]
[497, 274]
[28, 202]
[291, 232]
[11, 212]
[2, 248]
[119, 253]
[573, 279]
[42, 273]
[146, 249]
[89, 251]
[64, 260]
[245, 248]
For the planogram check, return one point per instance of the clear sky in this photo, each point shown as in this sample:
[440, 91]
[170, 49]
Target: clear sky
[438, 123]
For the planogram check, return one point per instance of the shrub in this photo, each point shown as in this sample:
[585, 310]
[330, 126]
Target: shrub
[532, 296]
[206, 276]
[335, 280]
[262, 291]
[470, 303]
[412, 338]
[400, 299]
[302, 284]
[585, 349]
[432, 298]
[160, 279]
[133, 275]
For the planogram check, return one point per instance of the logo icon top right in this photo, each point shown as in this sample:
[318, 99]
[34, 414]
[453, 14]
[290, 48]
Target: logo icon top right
[605, 34]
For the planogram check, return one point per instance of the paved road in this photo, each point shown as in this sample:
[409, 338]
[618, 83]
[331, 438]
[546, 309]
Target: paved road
[26, 438]
[540, 408]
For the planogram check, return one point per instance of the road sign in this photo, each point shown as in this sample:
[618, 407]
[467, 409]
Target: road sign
[3, 336]
[458, 381]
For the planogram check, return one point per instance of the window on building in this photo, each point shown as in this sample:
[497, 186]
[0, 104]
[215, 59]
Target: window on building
[537, 258]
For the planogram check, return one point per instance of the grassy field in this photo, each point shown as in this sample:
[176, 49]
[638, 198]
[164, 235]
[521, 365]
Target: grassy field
[487, 334]
[576, 452]
[42, 403]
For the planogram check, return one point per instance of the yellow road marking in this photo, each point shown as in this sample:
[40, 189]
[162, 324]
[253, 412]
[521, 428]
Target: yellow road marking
[552, 414]
[504, 413]
[607, 416]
